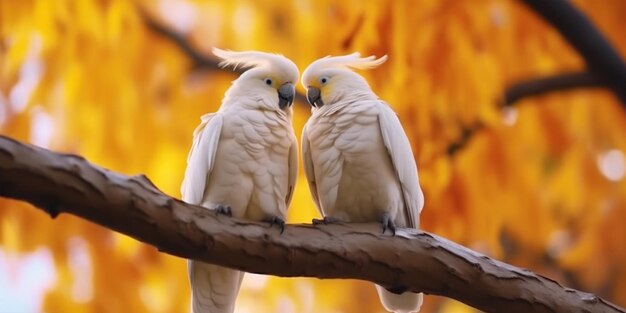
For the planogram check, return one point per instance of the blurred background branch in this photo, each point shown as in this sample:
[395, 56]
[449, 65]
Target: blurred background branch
[600, 56]
[199, 59]
[530, 88]
[559, 82]
[606, 67]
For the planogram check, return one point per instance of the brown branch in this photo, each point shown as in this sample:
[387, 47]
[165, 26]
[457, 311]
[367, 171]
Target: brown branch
[580, 32]
[606, 68]
[558, 82]
[412, 260]
[467, 133]
[199, 59]
[529, 88]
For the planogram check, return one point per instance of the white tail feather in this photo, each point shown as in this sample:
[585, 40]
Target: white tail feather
[214, 289]
[407, 302]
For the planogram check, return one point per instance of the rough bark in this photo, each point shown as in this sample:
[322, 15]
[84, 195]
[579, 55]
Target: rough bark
[412, 260]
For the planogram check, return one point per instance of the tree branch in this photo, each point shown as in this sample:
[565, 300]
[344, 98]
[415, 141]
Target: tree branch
[558, 82]
[412, 260]
[199, 59]
[467, 132]
[606, 67]
[529, 88]
[579, 31]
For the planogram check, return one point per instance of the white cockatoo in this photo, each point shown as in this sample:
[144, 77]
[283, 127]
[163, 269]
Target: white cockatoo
[243, 162]
[357, 158]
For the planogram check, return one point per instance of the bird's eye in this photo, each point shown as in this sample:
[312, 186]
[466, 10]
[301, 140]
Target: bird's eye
[268, 81]
[324, 80]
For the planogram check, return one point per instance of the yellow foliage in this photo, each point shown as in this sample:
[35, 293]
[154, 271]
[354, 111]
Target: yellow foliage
[89, 77]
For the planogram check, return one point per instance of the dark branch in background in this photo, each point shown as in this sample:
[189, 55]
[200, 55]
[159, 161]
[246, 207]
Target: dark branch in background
[412, 260]
[466, 134]
[605, 66]
[199, 59]
[579, 31]
[557, 82]
[529, 88]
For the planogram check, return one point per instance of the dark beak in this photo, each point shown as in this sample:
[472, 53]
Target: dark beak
[314, 97]
[286, 93]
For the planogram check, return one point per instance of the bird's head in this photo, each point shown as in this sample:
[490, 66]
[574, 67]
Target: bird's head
[331, 79]
[270, 80]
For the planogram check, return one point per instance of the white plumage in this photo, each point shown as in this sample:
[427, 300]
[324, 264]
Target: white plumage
[244, 160]
[357, 158]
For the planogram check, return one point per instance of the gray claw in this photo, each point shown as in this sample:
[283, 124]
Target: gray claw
[224, 209]
[275, 220]
[388, 224]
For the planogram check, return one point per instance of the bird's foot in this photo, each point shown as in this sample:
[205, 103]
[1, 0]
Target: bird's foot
[388, 224]
[327, 220]
[224, 209]
[275, 220]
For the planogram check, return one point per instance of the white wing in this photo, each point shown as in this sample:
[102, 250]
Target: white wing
[213, 288]
[325, 175]
[399, 149]
[201, 158]
[309, 172]
[293, 169]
